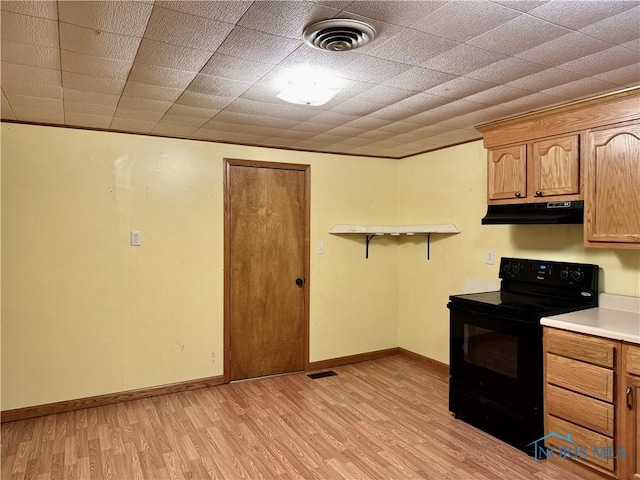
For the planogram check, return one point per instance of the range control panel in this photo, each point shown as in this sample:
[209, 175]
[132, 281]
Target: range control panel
[575, 275]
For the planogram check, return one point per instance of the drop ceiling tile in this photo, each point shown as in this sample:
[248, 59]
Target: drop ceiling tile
[293, 136]
[89, 109]
[221, 126]
[153, 92]
[124, 18]
[133, 103]
[376, 135]
[223, 11]
[94, 66]
[211, 135]
[171, 56]
[39, 115]
[462, 21]
[224, 66]
[162, 77]
[627, 76]
[460, 87]
[132, 125]
[27, 73]
[257, 46]
[276, 132]
[393, 114]
[178, 28]
[333, 118]
[5, 108]
[31, 30]
[366, 123]
[463, 59]
[286, 19]
[218, 86]
[564, 49]
[520, 34]
[112, 86]
[103, 44]
[579, 89]
[29, 54]
[383, 95]
[262, 93]
[195, 122]
[520, 5]
[491, 114]
[32, 89]
[632, 45]
[373, 70]
[530, 102]
[249, 107]
[173, 130]
[353, 107]
[411, 47]
[402, 13]
[83, 96]
[506, 71]
[421, 102]
[312, 127]
[578, 14]
[193, 113]
[331, 62]
[551, 77]
[139, 115]
[604, 61]
[497, 95]
[418, 79]
[258, 120]
[24, 101]
[202, 100]
[32, 8]
[87, 120]
[616, 29]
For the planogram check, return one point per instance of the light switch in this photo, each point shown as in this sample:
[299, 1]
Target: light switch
[490, 257]
[320, 248]
[136, 238]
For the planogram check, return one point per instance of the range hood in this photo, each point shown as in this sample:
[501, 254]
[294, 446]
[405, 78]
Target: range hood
[535, 213]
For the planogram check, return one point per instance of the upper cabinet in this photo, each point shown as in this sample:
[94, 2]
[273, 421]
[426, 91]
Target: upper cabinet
[507, 173]
[612, 198]
[547, 169]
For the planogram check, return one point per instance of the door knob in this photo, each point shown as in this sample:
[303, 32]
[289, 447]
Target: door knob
[299, 281]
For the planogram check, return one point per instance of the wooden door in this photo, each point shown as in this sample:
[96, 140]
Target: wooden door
[612, 196]
[507, 173]
[556, 167]
[267, 239]
[632, 441]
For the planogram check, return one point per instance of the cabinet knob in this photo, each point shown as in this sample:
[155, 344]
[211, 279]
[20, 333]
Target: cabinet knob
[538, 193]
[518, 194]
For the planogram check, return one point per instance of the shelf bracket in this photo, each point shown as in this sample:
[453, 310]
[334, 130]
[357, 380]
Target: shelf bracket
[369, 238]
[428, 246]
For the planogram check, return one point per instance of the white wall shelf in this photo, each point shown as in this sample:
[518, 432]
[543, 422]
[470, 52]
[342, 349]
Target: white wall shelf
[372, 231]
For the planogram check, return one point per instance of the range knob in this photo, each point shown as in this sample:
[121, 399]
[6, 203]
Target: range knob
[516, 269]
[577, 275]
[564, 274]
[507, 268]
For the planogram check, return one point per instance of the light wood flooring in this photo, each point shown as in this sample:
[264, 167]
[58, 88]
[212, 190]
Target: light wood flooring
[381, 419]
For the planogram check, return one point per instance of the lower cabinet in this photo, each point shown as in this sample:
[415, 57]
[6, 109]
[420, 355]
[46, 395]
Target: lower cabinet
[592, 403]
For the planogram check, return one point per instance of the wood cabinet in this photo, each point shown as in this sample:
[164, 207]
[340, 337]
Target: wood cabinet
[612, 198]
[592, 391]
[631, 410]
[579, 396]
[535, 172]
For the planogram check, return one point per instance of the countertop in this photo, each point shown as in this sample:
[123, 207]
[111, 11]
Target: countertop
[617, 318]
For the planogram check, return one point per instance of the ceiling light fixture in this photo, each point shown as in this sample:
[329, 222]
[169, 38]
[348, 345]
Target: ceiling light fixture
[307, 86]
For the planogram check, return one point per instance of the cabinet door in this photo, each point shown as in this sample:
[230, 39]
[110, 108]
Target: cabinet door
[612, 197]
[507, 173]
[632, 437]
[556, 167]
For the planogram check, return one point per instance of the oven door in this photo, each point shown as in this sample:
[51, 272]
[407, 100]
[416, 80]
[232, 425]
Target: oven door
[497, 355]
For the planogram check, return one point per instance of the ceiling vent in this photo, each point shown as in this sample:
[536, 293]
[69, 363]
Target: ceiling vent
[338, 34]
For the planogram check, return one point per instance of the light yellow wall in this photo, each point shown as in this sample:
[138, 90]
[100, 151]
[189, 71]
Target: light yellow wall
[84, 313]
[449, 186]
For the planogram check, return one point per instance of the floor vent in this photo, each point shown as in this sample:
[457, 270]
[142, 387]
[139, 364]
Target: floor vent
[329, 373]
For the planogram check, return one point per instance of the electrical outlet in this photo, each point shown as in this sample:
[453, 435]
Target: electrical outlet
[490, 257]
[136, 238]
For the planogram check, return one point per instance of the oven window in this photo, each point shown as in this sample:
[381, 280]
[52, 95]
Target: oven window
[492, 350]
